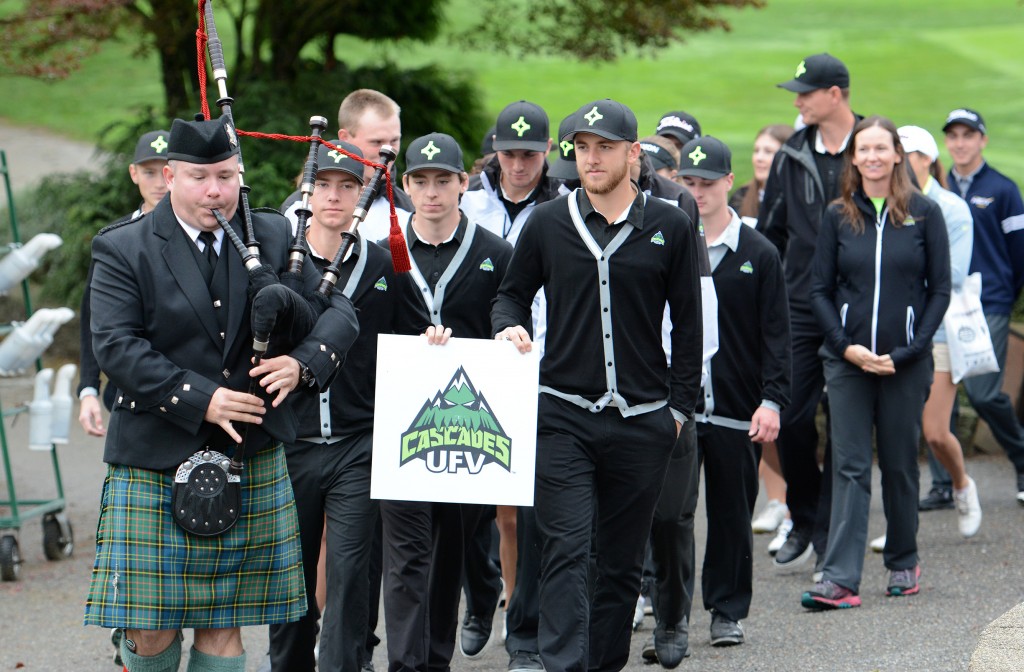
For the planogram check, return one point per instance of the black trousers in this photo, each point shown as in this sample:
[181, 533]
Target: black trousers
[601, 471]
[424, 546]
[672, 547]
[808, 489]
[482, 579]
[332, 479]
[730, 462]
[523, 614]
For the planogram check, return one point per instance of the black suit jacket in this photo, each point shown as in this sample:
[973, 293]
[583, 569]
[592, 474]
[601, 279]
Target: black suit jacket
[156, 335]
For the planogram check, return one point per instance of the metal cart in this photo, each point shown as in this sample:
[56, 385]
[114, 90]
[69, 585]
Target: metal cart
[58, 539]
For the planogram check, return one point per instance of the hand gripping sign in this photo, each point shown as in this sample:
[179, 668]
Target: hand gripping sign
[462, 428]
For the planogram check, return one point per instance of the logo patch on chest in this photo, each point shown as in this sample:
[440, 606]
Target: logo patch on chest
[381, 285]
[981, 202]
[487, 265]
[658, 239]
[747, 267]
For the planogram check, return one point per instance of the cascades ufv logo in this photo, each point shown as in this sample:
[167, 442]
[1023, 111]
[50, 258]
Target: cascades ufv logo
[456, 431]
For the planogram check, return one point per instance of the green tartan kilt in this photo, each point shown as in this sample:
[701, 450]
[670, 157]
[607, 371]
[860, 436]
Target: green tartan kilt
[152, 575]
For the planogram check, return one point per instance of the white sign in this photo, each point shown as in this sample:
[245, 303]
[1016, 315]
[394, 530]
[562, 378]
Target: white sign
[455, 422]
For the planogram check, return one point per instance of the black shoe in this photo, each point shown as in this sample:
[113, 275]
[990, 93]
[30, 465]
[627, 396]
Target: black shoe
[647, 651]
[1020, 488]
[525, 661]
[476, 633]
[725, 631]
[672, 644]
[938, 498]
[795, 551]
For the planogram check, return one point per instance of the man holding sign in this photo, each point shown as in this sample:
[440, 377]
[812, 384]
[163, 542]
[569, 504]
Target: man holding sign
[457, 267]
[608, 258]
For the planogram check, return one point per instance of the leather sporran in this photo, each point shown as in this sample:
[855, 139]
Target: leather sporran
[207, 497]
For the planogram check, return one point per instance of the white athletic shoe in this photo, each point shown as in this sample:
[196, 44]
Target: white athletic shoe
[638, 613]
[969, 508]
[878, 544]
[781, 535]
[770, 518]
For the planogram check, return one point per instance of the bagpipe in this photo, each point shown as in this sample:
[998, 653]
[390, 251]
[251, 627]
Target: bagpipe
[280, 310]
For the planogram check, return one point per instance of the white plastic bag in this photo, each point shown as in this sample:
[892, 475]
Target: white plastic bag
[970, 344]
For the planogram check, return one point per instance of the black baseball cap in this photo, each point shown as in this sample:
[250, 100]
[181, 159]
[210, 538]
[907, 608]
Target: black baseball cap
[707, 157]
[152, 146]
[202, 142]
[332, 159]
[820, 71]
[967, 117]
[437, 151]
[606, 118]
[522, 125]
[679, 125]
[659, 156]
[564, 167]
[487, 144]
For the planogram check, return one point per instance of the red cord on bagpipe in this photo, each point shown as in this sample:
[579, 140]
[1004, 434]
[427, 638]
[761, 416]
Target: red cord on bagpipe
[396, 241]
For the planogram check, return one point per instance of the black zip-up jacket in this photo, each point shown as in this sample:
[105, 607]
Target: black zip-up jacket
[667, 190]
[790, 216]
[887, 288]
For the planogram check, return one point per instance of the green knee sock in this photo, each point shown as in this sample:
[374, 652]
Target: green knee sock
[165, 661]
[204, 662]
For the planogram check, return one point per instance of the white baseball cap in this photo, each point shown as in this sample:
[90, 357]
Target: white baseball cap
[916, 139]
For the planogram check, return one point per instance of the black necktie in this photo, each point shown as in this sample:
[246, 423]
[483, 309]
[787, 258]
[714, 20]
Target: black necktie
[209, 253]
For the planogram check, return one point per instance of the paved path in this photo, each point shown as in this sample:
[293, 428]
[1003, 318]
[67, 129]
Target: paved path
[966, 585]
[33, 153]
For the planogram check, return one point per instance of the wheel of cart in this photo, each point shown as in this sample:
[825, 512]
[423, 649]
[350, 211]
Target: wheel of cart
[10, 558]
[58, 540]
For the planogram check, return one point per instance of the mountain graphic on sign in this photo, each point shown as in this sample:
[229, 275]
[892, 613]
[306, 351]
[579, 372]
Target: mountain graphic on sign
[460, 405]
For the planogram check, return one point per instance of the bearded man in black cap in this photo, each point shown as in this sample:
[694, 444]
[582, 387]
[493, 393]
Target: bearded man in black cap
[170, 322]
[609, 258]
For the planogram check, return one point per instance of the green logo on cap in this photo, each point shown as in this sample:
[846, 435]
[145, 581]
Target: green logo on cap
[521, 126]
[336, 155]
[566, 147]
[159, 145]
[593, 116]
[430, 150]
[800, 69]
[697, 155]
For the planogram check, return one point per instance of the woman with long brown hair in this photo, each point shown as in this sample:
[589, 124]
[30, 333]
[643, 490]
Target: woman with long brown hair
[881, 283]
[747, 199]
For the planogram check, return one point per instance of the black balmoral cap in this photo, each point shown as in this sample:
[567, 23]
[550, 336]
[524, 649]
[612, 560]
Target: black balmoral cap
[332, 159]
[437, 151]
[606, 118]
[679, 125]
[522, 125]
[487, 144]
[564, 167]
[820, 71]
[152, 146]
[202, 141]
[967, 117]
[707, 157]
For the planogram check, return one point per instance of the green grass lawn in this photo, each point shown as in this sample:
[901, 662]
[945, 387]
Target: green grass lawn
[911, 60]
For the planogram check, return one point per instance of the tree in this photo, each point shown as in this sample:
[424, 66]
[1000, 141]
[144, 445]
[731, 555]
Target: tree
[594, 30]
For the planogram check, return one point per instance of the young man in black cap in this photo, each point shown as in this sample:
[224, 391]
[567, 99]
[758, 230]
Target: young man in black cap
[804, 179]
[606, 427]
[146, 171]
[678, 127]
[456, 267]
[170, 316]
[502, 197]
[329, 463]
[998, 255]
[747, 387]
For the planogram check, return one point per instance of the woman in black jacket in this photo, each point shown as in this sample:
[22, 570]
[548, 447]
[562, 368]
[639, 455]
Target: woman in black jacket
[881, 283]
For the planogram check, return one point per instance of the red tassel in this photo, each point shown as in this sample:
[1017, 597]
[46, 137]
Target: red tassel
[399, 250]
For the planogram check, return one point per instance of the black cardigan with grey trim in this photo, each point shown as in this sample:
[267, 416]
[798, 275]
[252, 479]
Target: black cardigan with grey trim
[656, 264]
